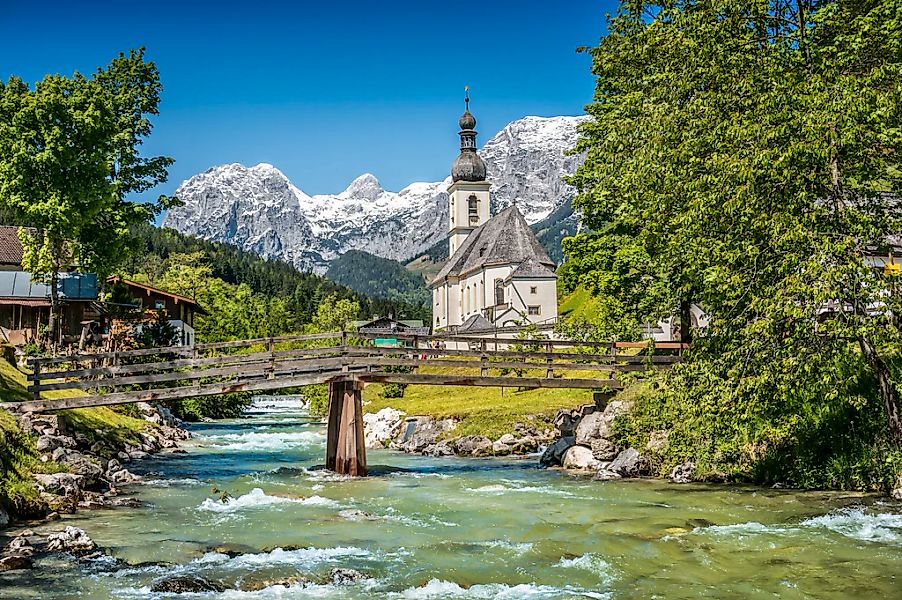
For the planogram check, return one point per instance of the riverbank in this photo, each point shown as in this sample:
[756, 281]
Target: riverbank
[438, 527]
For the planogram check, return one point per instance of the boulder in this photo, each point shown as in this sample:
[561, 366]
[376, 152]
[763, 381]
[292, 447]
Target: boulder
[186, 584]
[473, 445]
[554, 453]
[71, 539]
[79, 463]
[897, 493]
[4, 517]
[500, 448]
[123, 476]
[419, 432]
[507, 438]
[580, 458]
[682, 473]
[20, 546]
[382, 427]
[628, 463]
[604, 474]
[525, 445]
[603, 449]
[594, 426]
[41, 424]
[443, 448]
[61, 484]
[49, 443]
[15, 563]
[343, 575]
[249, 584]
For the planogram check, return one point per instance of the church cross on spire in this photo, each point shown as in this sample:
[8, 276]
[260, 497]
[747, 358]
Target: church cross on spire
[467, 96]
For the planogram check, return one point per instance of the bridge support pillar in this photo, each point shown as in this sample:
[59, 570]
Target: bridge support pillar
[345, 450]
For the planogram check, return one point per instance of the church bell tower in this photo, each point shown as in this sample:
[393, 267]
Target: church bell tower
[468, 193]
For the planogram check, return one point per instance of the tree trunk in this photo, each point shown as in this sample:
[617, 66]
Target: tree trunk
[888, 391]
[686, 321]
[53, 322]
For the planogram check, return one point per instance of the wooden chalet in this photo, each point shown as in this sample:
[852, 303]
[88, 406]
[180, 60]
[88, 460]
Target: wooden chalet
[180, 310]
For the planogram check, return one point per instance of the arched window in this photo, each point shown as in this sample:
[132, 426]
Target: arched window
[499, 291]
[473, 209]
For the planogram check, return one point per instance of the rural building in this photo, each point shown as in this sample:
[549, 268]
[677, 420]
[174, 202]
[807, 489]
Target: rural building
[179, 309]
[498, 273]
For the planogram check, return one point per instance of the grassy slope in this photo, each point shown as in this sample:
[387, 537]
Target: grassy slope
[482, 411]
[18, 457]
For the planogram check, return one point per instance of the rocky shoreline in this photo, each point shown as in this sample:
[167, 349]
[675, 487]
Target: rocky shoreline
[581, 441]
[91, 471]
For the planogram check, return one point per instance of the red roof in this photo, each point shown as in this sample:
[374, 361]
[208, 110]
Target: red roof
[10, 246]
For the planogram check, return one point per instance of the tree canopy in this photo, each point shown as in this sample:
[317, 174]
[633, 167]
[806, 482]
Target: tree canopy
[743, 156]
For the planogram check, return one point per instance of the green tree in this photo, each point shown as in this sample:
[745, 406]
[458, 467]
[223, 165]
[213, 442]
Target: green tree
[743, 156]
[69, 158]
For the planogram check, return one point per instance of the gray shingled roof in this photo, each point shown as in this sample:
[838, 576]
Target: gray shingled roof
[506, 238]
[531, 269]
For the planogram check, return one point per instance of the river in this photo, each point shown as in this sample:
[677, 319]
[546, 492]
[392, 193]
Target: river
[470, 528]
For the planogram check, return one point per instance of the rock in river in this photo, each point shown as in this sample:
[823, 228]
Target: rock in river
[554, 453]
[186, 584]
[475, 445]
[381, 428]
[342, 575]
[580, 457]
[71, 539]
[682, 473]
[628, 463]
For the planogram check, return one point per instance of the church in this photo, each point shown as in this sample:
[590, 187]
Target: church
[498, 274]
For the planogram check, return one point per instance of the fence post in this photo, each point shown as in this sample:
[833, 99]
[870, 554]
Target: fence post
[549, 360]
[271, 347]
[37, 380]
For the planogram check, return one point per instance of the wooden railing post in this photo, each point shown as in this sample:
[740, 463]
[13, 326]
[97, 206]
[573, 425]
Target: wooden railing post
[549, 360]
[271, 346]
[484, 361]
[37, 380]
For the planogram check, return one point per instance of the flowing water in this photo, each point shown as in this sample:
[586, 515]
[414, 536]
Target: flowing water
[469, 528]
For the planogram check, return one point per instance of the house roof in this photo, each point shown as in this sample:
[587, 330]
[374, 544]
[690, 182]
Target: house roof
[10, 246]
[156, 290]
[506, 238]
[475, 322]
[18, 284]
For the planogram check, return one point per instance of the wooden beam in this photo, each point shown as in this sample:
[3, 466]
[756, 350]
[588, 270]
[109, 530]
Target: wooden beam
[512, 382]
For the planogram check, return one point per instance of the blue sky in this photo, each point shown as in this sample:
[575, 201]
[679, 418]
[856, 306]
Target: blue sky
[323, 90]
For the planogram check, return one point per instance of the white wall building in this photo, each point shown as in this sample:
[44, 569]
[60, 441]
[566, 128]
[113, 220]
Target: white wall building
[498, 274]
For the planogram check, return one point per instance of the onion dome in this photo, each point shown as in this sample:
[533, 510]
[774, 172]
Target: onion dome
[468, 166]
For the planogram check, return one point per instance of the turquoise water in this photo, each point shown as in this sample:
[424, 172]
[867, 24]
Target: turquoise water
[469, 528]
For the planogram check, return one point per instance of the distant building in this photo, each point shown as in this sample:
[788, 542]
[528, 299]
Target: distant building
[498, 274]
[388, 326]
[25, 303]
[180, 310]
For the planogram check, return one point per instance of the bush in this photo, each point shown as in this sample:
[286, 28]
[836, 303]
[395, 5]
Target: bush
[226, 406]
[317, 397]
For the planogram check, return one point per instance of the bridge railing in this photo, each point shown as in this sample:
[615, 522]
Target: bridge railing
[289, 361]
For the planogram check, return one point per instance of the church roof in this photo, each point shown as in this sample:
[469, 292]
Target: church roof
[531, 269]
[504, 239]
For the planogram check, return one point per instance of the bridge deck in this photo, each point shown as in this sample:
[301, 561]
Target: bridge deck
[289, 361]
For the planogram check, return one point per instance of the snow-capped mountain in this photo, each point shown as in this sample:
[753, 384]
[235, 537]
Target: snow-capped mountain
[259, 209]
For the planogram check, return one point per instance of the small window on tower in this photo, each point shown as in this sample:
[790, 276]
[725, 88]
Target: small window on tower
[533, 290]
[535, 310]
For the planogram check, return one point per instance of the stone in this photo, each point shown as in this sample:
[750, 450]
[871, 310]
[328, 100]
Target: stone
[657, 441]
[554, 453]
[382, 427]
[79, 463]
[255, 586]
[682, 473]
[525, 445]
[186, 584]
[49, 443]
[507, 438]
[15, 562]
[419, 432]
[137, 455]
[500, 448]
[4, 517]
[71, 539]
[53, 516]
[61, 484]
[473, 445]
[343, 575]
[19, 546]
[592, 427]
[580, 458]
[603, 449]
[628, 463]
[443, 448]
[606, 475]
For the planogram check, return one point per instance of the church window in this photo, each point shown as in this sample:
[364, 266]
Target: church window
[499, 291]
[535, 310]
[533, 290]
[473, 209]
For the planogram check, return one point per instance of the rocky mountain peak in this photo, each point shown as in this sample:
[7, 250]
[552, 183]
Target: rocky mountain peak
[261, 210]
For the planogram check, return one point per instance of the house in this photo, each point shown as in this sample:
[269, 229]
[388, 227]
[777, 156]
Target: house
[25, 303]
[180, 309]
[498, 271]
[387, 328]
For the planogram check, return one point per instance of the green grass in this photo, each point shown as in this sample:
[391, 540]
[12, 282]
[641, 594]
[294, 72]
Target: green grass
[18, 457]
[578, 305]
[487, 411]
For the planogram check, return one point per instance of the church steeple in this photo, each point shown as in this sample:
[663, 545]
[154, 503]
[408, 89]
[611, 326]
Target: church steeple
[468, 166]
[469, 199]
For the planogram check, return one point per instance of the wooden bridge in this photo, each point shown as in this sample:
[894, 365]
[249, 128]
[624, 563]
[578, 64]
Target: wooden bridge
[344, 360]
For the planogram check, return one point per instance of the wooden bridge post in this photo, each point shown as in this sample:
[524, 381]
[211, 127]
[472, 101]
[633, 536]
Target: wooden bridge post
[345, 450]
[37, 380]
[549, 360]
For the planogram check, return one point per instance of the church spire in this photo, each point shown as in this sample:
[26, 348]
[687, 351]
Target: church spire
[468, 166]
